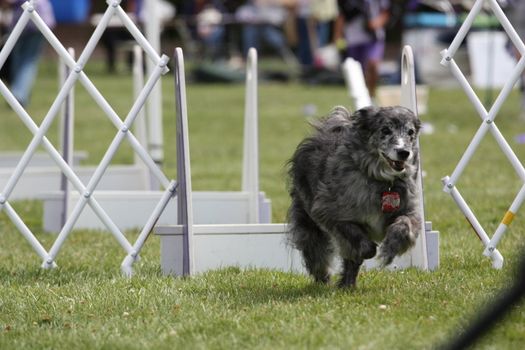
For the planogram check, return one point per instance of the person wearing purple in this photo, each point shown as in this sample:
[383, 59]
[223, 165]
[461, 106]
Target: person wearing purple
[360, 26]
[27, 51]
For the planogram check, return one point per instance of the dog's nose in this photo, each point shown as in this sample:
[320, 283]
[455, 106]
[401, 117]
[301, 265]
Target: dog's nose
[403, 154]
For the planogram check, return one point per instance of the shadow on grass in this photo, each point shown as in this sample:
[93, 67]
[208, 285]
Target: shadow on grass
[259, 286]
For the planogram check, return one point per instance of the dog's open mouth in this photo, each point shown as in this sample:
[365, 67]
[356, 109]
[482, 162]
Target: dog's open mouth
[397, 165]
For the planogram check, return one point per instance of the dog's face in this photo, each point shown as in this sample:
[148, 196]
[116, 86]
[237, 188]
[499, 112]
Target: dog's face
[390, 135]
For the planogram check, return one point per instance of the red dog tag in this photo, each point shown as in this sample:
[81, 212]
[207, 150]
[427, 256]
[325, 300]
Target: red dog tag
[390, 202]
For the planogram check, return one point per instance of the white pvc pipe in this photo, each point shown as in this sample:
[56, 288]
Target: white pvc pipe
[55, 155]
[90, 45]
[37, 138]
[96, 177]
[482, 112]
[465, 27]
[507, 220]
[127, 124]
[150, 47]
[101, 168]
[93, 91]
[497, 258]
[128, 121]
[28, 235]
[467, 155]
[507, 88]
[13, 36]
[77, 210]
[138, 85]
[126, 266]
[40, 138]
[250, 173]
[152, 29]
[135, 144]
[488, 117]
[511, 32]
[30, 124]
[67, 134]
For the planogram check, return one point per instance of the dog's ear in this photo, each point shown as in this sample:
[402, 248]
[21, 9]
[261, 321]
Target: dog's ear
[338, 119]
[365, 120]
[417, 124]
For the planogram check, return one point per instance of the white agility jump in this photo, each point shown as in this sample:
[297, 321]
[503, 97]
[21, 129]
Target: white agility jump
[130, 208]
[123, 127]
[488, 125]
[188, 248]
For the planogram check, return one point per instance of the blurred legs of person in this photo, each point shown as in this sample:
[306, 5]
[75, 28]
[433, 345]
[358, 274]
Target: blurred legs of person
[253, 34]
[369, 55]
[24, 64]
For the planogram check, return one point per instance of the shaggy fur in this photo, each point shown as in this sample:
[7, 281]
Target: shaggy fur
[338, 177]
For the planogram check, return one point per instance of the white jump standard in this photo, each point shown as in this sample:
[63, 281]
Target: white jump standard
[488, 124]
[130, 208]
[123, 132]
[187, 248]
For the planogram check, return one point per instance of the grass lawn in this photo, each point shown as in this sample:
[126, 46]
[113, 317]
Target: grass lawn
[86, 304]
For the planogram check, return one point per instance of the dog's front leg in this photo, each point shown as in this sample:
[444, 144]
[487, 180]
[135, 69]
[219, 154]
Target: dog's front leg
[400, 236]
[354, 247]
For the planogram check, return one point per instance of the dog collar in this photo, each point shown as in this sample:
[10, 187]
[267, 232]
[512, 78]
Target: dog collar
[390, 201]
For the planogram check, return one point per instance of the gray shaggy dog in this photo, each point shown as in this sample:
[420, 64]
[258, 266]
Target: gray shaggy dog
[352, 187]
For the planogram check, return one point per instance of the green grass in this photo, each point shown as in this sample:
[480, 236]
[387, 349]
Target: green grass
[86, 304]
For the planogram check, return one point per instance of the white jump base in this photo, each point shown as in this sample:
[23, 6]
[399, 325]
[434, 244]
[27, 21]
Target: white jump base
[44, 178]
[219, 246]
[261, 246]
[131, 209]
[11, 159]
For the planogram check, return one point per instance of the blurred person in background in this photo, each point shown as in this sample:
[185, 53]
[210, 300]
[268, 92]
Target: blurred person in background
[210, 29]
[515, 11]
[359, 31]
[314, 25]
[115, 34]
[24, 59]
[263, 23]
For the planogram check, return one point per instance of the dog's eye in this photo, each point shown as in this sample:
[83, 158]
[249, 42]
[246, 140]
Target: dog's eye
[411, 132]
[386, 130]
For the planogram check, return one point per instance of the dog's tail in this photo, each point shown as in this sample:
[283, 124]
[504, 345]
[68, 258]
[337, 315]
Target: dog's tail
[338, 117]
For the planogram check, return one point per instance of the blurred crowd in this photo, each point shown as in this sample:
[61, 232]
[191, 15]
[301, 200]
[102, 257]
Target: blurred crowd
[313, 34]
[308, 35]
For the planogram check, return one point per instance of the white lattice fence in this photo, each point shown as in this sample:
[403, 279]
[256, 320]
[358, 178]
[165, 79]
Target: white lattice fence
[123, 126]
[488, 125]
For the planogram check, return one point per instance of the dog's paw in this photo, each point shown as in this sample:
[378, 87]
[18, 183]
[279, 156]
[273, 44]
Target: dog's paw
[346, 284]
[349, 273]
[385, 258]
[322, 279]
[399, 238]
